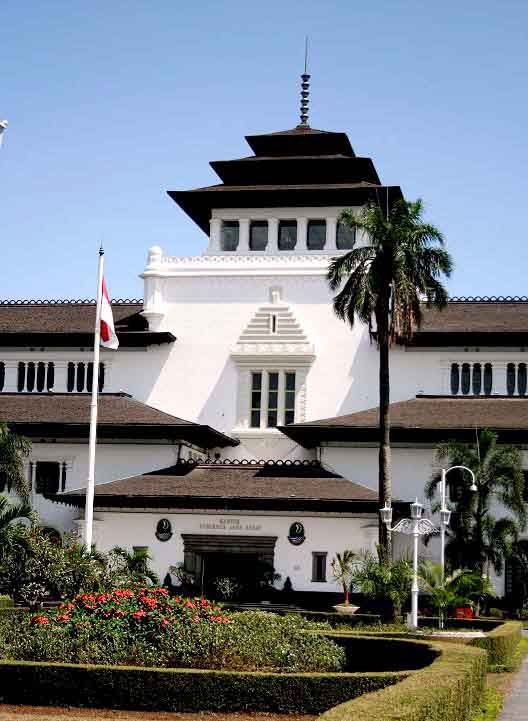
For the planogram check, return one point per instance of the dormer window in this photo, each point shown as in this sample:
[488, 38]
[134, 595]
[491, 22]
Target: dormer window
[345, 237]
[316, 238]
[287, 234]
[258, 235]
[230, 235]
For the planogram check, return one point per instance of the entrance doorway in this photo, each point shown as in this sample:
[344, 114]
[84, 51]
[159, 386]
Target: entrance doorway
[230, 567]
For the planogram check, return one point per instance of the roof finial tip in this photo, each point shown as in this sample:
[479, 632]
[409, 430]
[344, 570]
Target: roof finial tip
[305, 89]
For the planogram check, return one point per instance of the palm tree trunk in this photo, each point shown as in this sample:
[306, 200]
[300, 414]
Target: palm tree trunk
[384, 484]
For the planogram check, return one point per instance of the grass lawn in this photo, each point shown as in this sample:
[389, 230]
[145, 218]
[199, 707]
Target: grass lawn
[54, 713]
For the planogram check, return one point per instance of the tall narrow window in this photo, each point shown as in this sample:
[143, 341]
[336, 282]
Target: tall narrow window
[80, 377]
[319, 567]
[488, 379]
[287, 234]
[510, 379]
[273, 399]
[89, 377]
[30, 377]
[289, 398]
[63, 476]
[230, 235]
[256, 399]
[521, 379]
[70, 378]
[345, 237]
[21, 377]
[41, 376]
[2, 376]
[258, 234]
[316, 238]
[101, 376]
[273, 323]
[47, 477]
[477, 379]
[466, 378]
[455, 379]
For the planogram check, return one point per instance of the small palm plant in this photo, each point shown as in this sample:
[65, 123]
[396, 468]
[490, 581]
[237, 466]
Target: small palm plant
[383, 582]
[11, 527]
[343, 566]
[13, 450]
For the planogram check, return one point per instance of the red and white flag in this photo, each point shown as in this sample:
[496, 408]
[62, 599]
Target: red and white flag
[108, 334]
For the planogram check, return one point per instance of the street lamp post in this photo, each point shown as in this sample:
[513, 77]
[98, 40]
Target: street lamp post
[445, 513]
[3, 126]
[415, 526]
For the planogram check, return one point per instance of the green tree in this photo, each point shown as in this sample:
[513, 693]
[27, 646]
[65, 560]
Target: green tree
[383, 582]
[13, 450]
[12, 532]
[386, 282]
[136, 565]
[477, 538]
[343, 566]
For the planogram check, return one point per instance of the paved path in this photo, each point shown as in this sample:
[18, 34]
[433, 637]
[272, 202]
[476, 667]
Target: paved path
[516, 705]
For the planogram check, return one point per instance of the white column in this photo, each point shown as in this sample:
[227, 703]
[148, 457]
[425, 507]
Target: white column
[215, 225]
[273, 236]
[11, 376]
[243, 239]
[302, 234]
[331, 231]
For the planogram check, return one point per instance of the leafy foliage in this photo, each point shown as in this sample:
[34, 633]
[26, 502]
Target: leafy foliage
[343, 566]
[385, 583]
[476, 537]
[386, 281]
[14, 450]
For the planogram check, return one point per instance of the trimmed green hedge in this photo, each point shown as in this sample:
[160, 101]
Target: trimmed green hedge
[501, 644]
[181, 689]
[450, 689]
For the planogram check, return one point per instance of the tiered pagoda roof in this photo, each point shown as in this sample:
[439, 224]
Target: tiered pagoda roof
[291, 168]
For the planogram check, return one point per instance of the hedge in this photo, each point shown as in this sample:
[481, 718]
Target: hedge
[183, 690]
[382, 661]
[450, 689]
[501, 644]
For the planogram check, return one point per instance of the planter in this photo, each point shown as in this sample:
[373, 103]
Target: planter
[346, 608]
[465, 612]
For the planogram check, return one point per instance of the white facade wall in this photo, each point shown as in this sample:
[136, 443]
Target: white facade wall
[330, 534]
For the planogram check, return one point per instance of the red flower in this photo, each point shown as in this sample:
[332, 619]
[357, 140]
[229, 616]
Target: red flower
[139, 614]
[42, 620]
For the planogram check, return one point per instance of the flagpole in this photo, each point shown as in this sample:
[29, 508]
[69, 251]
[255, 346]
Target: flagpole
[90, 487]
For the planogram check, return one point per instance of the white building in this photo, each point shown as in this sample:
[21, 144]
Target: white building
[241, 341]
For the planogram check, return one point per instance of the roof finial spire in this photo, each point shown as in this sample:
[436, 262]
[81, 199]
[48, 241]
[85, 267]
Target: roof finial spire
[305, 89]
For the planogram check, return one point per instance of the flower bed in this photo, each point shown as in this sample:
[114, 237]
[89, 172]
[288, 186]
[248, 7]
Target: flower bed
[146, 627]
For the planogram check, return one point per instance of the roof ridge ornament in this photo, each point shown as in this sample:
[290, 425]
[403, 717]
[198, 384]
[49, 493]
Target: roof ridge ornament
[305, 90]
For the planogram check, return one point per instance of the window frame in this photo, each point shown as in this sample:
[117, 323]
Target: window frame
[273, 400]
[318, 556]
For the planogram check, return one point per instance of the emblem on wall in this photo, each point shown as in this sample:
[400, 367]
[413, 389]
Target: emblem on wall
[163, 529]
[296, 535]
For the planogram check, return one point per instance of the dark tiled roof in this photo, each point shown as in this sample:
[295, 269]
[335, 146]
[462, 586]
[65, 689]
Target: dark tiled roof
[423, 418]
[239, 485]
[475, 323]
[67, 415]
[71, 323]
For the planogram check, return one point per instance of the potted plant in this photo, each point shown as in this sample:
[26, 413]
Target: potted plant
[343, 566]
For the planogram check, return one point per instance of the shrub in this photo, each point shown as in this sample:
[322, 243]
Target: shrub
[6, 601]
[501, 644]
[146, 627]
[450, 689]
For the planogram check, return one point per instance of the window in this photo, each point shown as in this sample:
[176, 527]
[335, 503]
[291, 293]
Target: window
[287, 234]
[471, 378]
[230, 235]
[37, 377]
[256, 399]
[275, 389]
[47, 477]
[516, 379]
[258, 234]
[80, 377]
[316, 238]
[319, 567]
[2, 376]
[345, 237]
[273, 399]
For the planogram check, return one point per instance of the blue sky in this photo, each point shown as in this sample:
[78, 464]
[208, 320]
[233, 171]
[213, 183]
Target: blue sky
[112, 103]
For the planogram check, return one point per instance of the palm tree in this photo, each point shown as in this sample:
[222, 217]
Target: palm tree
[137, 565]
[477, 538]
[387, 281]
[13, 450]
[384, 582]
[343, 570]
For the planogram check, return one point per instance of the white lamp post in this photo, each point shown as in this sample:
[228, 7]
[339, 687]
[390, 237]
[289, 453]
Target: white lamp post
[415, 526]
[445, 513]
[3, 126]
